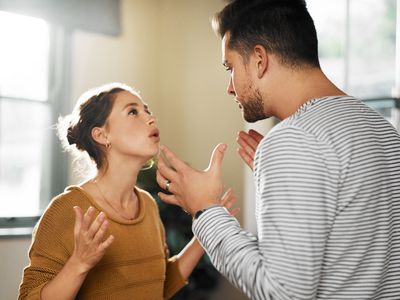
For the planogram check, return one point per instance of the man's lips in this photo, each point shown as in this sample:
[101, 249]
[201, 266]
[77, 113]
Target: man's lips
[238, 102]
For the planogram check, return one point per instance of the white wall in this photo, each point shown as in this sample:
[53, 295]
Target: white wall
[13, 258]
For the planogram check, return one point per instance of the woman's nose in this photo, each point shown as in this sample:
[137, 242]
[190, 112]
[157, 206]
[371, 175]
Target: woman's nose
[152, 120]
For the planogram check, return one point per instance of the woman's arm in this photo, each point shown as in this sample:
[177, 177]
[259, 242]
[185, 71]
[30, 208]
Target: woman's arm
[88, 250]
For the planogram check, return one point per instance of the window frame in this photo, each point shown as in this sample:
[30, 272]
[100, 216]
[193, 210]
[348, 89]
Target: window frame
[55, 168]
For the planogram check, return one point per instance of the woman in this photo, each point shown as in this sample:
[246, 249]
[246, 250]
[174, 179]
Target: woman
[104, 238]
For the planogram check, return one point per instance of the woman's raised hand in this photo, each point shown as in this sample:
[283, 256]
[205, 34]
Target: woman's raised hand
[90, 245]
[228, 200]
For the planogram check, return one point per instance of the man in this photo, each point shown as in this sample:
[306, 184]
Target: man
[327, 177]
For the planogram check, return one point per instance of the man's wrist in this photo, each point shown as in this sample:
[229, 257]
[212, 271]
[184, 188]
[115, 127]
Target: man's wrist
[199, 212]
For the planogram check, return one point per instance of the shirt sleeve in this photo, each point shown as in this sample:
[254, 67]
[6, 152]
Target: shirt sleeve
[52, 243]
[296, 180]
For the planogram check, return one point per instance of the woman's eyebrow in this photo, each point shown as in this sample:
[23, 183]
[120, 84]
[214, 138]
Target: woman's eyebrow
[130, 104]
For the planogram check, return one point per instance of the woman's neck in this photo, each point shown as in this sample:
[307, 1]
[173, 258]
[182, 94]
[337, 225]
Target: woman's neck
[117, 182]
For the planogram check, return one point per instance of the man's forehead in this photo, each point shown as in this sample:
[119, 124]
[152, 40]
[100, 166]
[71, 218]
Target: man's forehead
[224, 47]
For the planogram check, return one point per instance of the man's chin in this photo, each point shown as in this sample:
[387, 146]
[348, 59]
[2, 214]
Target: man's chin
[253, 118]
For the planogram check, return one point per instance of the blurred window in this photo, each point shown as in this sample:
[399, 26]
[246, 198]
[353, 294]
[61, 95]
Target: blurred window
[26, 117]
[357, 47]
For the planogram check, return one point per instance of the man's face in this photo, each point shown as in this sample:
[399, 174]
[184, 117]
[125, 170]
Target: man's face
[241, 84]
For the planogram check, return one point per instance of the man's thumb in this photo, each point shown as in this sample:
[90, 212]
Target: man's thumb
[217, 157]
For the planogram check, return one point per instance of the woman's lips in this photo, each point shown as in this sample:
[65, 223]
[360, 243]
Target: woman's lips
[155, 135]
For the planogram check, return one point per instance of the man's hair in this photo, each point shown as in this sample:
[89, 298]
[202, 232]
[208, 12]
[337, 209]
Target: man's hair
[282, 27]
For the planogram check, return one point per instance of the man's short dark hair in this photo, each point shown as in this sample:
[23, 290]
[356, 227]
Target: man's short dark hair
[283, 27]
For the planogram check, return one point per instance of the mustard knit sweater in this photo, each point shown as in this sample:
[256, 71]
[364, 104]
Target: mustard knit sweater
[135, 266]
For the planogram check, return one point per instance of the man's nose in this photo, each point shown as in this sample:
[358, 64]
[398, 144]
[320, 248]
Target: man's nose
[231, 90]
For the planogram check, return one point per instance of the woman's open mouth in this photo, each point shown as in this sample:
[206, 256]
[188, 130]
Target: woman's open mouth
[155, 135]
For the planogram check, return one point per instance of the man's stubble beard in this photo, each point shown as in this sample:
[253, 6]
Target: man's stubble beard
[253, 108]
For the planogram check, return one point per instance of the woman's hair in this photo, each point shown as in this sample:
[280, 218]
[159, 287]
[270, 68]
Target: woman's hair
[91, 110]
[283, 27]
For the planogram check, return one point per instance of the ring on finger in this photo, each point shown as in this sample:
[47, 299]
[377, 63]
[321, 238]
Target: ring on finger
[167, 185]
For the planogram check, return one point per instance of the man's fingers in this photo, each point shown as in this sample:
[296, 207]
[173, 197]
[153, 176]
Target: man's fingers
[170, 199]
[247, 141]
[246, 158]
[216, 158]
[246, 147]
[162, 182]
[256, 135]
[174, 161]
[166, 172]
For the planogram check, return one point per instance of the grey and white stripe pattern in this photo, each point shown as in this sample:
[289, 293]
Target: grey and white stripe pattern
[327, 208]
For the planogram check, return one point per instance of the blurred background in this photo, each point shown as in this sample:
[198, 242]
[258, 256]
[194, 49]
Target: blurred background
[52, 51]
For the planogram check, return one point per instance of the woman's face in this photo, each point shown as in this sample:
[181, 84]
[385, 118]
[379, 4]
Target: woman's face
[131, 128]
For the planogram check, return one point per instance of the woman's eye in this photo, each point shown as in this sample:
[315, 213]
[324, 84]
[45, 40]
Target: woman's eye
[133, 112]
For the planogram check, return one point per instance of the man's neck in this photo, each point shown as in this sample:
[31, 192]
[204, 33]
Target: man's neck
[294, 88]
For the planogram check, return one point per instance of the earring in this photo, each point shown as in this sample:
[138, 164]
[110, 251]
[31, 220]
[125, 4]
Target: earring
[108, 144]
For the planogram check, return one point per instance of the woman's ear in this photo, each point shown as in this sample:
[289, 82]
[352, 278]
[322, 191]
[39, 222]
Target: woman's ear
[99, 136]
[261, 60]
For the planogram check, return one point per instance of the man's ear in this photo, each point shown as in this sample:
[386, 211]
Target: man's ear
[261, 60]
[99, 136]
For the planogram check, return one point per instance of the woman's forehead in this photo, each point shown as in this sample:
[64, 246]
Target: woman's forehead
[125, 97]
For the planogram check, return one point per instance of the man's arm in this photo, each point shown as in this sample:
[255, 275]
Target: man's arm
[296, 185]
[296, 181]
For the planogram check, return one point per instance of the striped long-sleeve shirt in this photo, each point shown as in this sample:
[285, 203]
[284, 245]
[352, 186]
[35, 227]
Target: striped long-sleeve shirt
[327, 208]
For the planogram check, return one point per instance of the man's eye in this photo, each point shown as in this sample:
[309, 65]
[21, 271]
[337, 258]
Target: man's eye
[133, 112]
[149, 112]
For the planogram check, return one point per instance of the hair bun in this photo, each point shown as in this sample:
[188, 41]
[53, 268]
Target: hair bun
[71, 135]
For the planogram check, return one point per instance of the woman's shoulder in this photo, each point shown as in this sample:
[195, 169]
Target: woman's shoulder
[60, 209]
[58, 219]
[147, 198]
[72, 196]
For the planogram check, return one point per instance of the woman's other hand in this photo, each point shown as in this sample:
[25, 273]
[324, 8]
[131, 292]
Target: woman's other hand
[90, 245]
[228, 200]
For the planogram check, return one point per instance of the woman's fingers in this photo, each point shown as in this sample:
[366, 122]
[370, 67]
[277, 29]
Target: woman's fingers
[96, 225]
[228, 200]
[234, 212]
[104, 245]
[100, 232]
[87, 218]
[78, 220]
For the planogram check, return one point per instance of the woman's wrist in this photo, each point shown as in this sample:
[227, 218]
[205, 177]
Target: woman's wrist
[77, 267]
